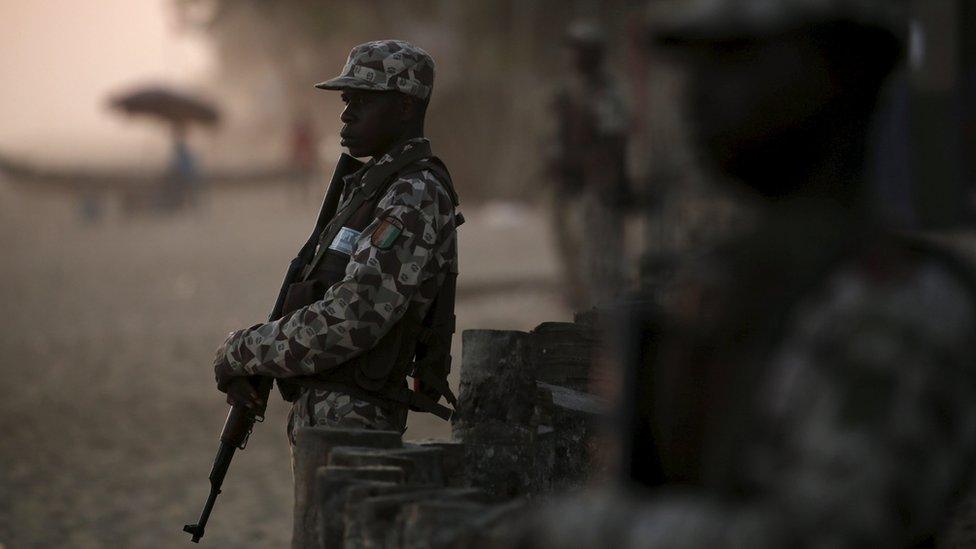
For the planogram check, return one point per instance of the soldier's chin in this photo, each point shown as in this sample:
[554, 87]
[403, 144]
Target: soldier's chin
[355, 150]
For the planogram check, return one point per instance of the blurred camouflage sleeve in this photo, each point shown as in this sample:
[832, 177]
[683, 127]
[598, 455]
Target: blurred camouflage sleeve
[873, 421]
[405, 245]
[868, 430]
[611, 112]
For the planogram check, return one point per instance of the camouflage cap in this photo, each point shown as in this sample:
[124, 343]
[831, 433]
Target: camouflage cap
[386, 65]
[721, 19]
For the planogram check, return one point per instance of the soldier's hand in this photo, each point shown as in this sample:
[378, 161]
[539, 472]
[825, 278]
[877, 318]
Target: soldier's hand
[240, 391]
[223, 371]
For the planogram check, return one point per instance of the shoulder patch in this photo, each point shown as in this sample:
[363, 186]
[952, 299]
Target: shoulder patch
[345, 241]
[386, 232]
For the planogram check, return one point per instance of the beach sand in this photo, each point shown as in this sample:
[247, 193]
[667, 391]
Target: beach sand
[108, 410]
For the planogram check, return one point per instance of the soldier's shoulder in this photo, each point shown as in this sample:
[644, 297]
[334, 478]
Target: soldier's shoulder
[422, 185]
[901, 293]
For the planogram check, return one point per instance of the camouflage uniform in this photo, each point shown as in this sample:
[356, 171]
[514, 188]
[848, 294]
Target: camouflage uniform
[396, 266]
[588, 165]
[381, 281]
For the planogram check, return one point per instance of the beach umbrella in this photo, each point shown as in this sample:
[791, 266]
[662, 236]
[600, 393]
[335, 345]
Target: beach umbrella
[167, 104]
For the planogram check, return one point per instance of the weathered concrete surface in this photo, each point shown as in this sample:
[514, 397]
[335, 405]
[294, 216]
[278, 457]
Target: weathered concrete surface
[522, 433]
[351, 526]
[435, 523]
[495, 413]
[422, 464]
[452, 460]
[521, 430]
[497, 388]
[354, 458]
[372, 521]
[332, 495]
[563, 353]
[312, 448]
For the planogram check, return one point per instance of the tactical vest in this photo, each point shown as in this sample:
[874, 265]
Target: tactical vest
[419, 343]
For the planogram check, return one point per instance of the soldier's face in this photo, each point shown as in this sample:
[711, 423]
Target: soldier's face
[757, 107]
[372, 121]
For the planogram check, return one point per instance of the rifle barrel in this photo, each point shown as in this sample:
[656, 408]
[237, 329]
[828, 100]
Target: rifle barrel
[221, 463]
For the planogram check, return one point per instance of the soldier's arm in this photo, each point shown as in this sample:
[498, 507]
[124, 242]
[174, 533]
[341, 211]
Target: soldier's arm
[872, 404]
[611, 115]
[394, 255]
[871, 400]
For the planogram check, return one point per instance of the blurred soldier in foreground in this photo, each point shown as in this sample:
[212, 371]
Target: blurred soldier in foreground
[813, 384]
[588, 168]
[375, 302]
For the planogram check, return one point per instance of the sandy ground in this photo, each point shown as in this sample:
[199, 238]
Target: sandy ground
[108, 415]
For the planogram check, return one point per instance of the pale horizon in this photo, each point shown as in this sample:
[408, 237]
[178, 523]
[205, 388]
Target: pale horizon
[62, 60]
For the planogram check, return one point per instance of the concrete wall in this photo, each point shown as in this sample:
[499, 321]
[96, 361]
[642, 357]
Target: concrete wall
[520, 431]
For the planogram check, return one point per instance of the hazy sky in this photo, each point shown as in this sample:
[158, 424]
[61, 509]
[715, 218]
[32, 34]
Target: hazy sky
[61, 59]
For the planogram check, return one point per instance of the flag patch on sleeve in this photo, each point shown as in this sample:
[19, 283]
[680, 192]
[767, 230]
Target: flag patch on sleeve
[387, 232]
[345, 241]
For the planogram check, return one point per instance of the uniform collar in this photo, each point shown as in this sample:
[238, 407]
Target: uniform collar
[375, 172]
[403, 148]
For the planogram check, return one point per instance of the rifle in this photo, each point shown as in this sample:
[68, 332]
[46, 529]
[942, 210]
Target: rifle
[241, 419]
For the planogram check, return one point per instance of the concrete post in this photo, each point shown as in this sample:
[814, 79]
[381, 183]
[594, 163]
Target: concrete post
[311, 451]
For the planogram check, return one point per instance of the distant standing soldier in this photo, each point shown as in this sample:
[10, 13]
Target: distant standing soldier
[589, 171]
[813, 385]
[376, 303]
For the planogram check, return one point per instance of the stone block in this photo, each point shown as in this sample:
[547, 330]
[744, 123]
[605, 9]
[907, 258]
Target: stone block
[563, 353]
[422, 465]
[377, 517]
[332, 496]
[378, 473]
[436, 523]
[352, 457]
[311, 451]
[358, 527]
[452, 461]
[497, 388]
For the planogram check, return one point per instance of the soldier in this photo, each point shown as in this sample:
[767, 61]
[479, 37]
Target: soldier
[354, 327]
[814, 383]
[588, 168]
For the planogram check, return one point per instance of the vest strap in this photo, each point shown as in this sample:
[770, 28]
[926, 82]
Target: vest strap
[437, 382]
[402, 396]
[374, 181]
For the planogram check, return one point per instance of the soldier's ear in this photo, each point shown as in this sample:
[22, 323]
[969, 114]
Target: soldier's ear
[403, 108]
[410, 108]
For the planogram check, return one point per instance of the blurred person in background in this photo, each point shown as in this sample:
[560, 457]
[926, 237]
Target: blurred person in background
[588, 169]
[811, 384]
[304, 153]
[182, 174]
[352, 327]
